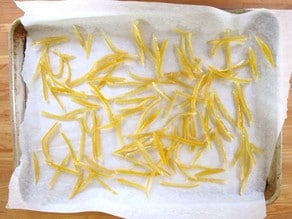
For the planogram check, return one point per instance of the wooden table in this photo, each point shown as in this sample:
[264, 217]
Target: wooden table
[282, 208]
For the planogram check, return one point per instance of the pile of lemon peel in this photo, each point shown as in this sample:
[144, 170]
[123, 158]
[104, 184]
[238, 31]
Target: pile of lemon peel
[191, 114]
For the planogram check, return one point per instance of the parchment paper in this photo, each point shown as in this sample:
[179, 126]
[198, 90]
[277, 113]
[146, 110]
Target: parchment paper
[267, 98]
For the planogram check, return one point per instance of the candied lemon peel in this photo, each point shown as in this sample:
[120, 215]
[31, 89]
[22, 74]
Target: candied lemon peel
[191, 116]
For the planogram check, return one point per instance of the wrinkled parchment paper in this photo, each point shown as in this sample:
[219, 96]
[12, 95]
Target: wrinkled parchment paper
[267, 98]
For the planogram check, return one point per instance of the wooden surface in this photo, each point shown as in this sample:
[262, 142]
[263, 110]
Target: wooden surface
[282, 208]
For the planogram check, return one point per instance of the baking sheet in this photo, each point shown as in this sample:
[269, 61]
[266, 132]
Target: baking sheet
[17, 41]
[211, 208]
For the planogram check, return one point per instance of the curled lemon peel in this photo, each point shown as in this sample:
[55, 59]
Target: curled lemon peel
[220, 147]
[132, 184]
[95, 133]
[77, 185]
[98, 168]
[85, 44]
[160, 148]
[165, 96]
[133, 172]
[73, 115]
[126, 100]
[266, 50]
[221, 126]
[85, 103]
[223, 109]
[223, 75]
[48, 41]
[62, 168]
[147, 110]
[105, 185]
[148, 120]
[110, 61]
[58, 172]
[179, 184]
[253, 63]
[71, 149]
[139, 41]
[243, 104]
[36, 168]
[45, 141]
[170, 106]
[110, 43]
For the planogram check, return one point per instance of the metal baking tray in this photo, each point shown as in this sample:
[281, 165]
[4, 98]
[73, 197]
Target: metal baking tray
[17, 39]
